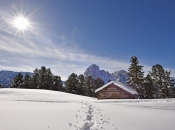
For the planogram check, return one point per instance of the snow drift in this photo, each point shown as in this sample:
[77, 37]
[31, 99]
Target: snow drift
[26, 109]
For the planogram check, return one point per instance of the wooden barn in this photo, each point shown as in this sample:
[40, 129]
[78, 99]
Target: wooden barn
[115, 90]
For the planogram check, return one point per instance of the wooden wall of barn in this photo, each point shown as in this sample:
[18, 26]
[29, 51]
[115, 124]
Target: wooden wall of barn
[114, 92]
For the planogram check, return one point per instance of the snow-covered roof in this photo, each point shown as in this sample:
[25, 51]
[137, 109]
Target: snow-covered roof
[119, 84]
[104, 86]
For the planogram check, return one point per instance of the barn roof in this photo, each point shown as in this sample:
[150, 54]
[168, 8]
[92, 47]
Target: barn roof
[119, 84]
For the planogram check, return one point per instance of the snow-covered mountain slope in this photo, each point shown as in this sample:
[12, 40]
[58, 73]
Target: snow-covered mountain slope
[7, 76]
[27, 109]
[94, 71]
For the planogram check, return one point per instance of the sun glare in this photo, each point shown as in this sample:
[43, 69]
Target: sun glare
[21, 23]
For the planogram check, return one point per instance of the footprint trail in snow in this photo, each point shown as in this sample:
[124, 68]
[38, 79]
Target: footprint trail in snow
[90, 117]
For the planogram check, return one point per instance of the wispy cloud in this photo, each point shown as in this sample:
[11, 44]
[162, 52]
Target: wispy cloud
[33, 53]
[25, 53]
[19, 57]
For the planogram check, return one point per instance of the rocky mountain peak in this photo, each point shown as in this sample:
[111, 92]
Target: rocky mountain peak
[94, 71]
[94, 66]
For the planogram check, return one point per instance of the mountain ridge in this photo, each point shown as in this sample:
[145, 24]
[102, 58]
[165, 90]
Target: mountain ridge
[95, 72]
[7, 76]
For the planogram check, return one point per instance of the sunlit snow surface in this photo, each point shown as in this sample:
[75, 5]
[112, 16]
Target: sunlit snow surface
[25, 109]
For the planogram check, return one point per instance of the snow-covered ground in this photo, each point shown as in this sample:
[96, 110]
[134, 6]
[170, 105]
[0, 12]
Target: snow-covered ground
[25, 109]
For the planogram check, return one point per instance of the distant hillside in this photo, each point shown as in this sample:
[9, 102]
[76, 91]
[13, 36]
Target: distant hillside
[94, 71]
[7, 76]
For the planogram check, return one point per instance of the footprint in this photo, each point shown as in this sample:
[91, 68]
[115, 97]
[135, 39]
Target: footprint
[70, 124]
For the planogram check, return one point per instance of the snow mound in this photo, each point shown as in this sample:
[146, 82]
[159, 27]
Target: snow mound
[40, 95]
[27, 109]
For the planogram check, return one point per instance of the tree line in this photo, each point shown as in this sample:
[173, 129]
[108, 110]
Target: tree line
[83, 85]
[44, 79]
[156, 84]
[1, 86]
[40, 79]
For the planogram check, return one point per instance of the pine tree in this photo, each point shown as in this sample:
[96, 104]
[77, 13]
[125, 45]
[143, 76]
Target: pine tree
[72, 84]
[89, 84]
[167, 83]
[149, 89]
[57, 83]
[17, 81]
[157, 75]
[27, 81]
[81, 88]
[172, 91]
[45, 78]
[1, 86]
[172, 88]
[35, 79]
[42, 77]
[162, 81]
[48, 79]
[97, 84]
[136, 76]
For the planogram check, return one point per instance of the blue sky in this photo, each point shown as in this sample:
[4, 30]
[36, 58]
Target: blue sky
[69, 35]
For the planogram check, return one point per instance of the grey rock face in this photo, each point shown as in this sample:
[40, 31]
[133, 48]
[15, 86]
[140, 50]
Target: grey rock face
[121, 76]
[94, 71]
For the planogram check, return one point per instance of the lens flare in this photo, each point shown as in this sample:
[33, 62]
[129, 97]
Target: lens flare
[21, 23]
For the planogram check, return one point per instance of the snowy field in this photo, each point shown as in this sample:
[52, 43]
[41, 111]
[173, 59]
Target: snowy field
[23, 109]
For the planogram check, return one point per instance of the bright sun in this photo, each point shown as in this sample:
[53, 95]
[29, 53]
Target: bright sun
[21, 23]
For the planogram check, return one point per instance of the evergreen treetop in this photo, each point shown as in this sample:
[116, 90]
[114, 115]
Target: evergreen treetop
[136, 75]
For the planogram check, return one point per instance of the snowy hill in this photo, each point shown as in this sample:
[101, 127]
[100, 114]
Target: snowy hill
[40, 95]
[7, 76]
[27, 109]
[94, 71]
